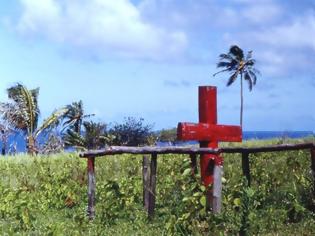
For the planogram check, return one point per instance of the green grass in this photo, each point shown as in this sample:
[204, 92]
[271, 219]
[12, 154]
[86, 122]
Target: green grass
[47, 195]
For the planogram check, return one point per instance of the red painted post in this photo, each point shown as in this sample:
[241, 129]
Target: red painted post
[208, 133]
[208, 115]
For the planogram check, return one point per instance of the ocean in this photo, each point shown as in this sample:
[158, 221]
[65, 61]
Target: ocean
[258, 135]
[18, 139]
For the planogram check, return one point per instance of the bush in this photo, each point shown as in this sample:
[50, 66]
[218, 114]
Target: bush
[168, 135]
[48, 196]
[132, 132]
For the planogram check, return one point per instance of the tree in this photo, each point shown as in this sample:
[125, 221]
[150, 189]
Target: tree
[94, 136]
[22, 113]
[75, 116]
[237, 65]
[132, 132]
[168, 135]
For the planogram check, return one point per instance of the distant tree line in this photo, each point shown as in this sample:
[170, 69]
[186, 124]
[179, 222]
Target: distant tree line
[67, 126]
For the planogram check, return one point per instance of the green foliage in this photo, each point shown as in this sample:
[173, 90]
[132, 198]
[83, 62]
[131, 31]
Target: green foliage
[48, 196]
[94, 136]
[22, 113]
[132, 132]
[168, 135]
[75, 116]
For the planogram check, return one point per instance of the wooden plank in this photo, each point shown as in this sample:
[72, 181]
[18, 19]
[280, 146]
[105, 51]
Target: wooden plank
[114, 150]
[146, 181]
[271, 148]
[91, 187]
[117, 150]
[152, 196]
[193, 164]
[209, 132]
[245, 167]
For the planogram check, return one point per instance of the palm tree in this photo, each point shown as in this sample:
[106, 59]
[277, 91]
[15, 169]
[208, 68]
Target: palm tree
[237, 65]
[22, 113]
[94, 136]
[75, 116]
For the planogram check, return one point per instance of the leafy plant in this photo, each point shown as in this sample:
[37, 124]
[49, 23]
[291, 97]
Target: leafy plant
[48, 196]
[94, 136]
[132, 132]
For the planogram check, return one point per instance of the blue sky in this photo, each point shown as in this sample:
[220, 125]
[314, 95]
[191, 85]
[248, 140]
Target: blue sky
[146, 58]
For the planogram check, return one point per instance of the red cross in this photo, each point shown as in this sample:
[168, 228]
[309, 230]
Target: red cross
[208, 132]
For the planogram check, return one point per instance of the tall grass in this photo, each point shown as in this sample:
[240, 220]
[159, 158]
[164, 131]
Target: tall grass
[47, 195]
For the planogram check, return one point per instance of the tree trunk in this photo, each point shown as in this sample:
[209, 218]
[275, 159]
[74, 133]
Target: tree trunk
[31, 149]
[241, 112]
[4, 142]
[77, 126]
[3, 149]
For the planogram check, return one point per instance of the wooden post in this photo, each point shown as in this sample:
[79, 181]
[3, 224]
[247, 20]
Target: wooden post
[146, 181]
[313, 168]
[217, 188]
[153, 168]
[91, 188]
[193, 164]
[245, 167]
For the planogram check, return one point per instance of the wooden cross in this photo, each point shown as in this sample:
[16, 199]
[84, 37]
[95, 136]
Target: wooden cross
[209, 133]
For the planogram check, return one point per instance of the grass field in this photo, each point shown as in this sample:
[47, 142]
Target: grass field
[46, 195]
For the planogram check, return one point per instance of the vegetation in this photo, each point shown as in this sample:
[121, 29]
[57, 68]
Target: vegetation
[237, 65]
[168, 135]
[75, 116]
[22, 113]
[48, 196]
[5, 131]
[93, 137]
[132, 132]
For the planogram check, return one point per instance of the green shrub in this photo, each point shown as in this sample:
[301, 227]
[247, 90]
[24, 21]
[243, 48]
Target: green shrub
[48, 196]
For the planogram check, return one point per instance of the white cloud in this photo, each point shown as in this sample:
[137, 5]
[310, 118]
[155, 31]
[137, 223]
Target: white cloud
[262, 13]
[102, 26]
[300, 33]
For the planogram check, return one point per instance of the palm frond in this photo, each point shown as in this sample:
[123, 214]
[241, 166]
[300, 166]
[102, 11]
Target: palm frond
[249, 80]
[73, 139]
[250, 62]
[249, 55]
[237, 52]
[26, 101]
[232, 78]
[51, 121]
[224, 64]
[225, 56]
[256, 71]
[253, 75]
[221, 71]
[17, 118]
[35, 93]
[75, 116]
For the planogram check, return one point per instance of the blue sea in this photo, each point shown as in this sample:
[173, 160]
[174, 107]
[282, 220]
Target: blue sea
[276, 134]
[247, 135]
[259, 135]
